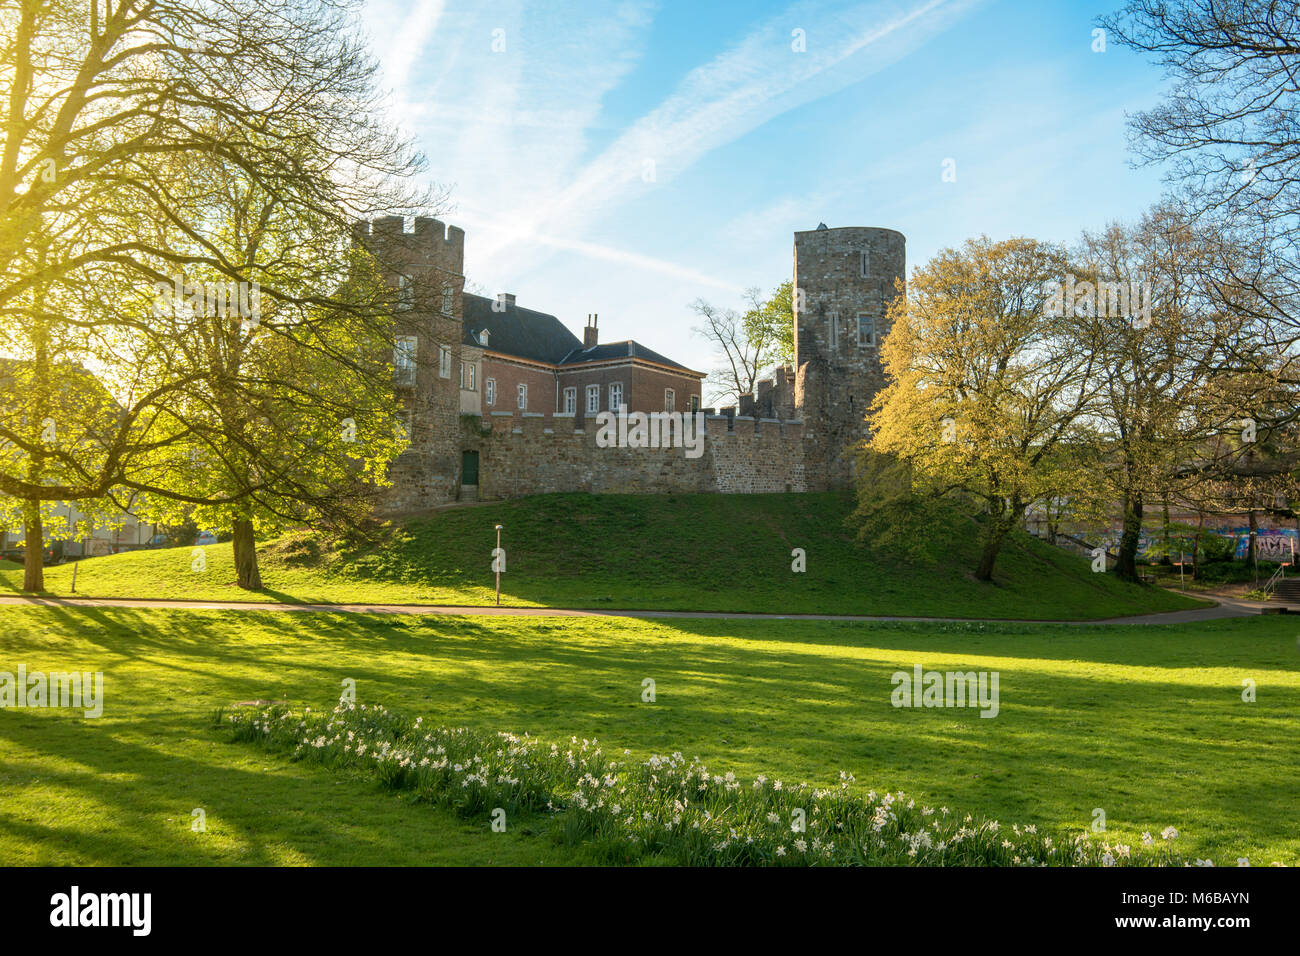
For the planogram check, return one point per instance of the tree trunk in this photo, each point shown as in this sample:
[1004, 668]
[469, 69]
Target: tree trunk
[1130, 538]
[984, 571]
[33, 549]
[246, 556]
[1196, 546]
[995, 532]
[1252, 552]
[1164, 518]
[34, 532]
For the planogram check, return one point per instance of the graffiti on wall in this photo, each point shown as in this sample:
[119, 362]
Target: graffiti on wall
[1270, 545]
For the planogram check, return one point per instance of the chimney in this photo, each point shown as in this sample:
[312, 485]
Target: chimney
[589, 333]
[510, 299]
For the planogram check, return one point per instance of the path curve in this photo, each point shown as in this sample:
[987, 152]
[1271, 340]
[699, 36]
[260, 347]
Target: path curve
[1226, 608]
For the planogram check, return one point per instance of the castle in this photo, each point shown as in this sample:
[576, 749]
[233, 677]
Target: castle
[499, 400]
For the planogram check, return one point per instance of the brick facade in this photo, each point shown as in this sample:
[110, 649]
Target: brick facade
[507, 375]
[643, 386]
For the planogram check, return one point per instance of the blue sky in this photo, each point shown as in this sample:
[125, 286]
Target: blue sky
[626, 158]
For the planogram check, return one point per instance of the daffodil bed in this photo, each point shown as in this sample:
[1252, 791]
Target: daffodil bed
[665, 806]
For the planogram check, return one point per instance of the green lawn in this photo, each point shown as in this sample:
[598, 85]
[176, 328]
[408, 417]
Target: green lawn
[686, 552]
[1144, 722]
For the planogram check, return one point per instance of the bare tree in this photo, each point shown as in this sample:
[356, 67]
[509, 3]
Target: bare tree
[1229, 130]
[744, 346]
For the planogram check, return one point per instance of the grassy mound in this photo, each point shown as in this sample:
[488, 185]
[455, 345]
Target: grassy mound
[673, 552]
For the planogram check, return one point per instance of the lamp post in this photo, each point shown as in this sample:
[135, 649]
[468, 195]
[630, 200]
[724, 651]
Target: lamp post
[1254, 553]
[496, 563]
[78, 561]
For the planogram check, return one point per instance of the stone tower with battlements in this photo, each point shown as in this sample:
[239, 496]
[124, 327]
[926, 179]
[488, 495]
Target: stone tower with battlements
[425, 266]
[843, 281]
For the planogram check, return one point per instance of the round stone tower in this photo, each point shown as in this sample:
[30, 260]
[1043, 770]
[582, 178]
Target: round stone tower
[843, 281]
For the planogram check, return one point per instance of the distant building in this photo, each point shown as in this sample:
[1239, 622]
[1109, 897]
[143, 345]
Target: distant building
[72, 416]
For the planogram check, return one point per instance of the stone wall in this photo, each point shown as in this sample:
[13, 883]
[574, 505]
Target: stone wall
[757, 455]
[535, 455]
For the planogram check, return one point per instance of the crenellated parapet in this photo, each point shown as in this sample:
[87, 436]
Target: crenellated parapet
[430, 254]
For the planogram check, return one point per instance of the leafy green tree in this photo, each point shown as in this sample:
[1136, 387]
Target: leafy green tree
[1172, 400]
[769, 323]
[985, 387]
[110, 112]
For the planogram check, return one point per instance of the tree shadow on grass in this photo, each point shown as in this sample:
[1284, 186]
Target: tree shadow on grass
[142, 797]
[1078, 726]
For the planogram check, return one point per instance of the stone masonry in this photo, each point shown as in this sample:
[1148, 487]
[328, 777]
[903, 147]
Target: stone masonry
[426, 266]
[531, 457]
[847, 278]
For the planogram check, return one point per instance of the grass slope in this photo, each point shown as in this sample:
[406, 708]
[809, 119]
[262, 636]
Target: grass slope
[681, 552]
[1145, 722]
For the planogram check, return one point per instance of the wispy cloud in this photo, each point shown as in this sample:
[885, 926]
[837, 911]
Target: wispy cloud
[508, 100]
[758, 79]
[487, 229]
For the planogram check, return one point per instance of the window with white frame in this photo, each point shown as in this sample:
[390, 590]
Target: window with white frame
[448, 294]
[615, 396]
[866, 330]
[490, 391]
[866, 263]
[467, 375]
[404, 351]
[670, 400]
[405, 293]
[521, 397]
[593, 399]
[570, 404]
[444, 361]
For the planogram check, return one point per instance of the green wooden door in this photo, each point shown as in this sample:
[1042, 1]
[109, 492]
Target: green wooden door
[469, 468]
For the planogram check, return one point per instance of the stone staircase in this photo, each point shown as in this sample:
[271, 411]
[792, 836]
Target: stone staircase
[1287, 591]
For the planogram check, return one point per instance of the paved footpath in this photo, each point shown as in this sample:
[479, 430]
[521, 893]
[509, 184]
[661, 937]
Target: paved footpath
[1228, 607]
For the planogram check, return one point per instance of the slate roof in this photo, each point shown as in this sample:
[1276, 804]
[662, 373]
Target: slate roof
[616, 350]
[542, 337]
[516, 331]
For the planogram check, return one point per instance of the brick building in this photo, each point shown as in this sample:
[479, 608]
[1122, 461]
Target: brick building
[519, 360]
